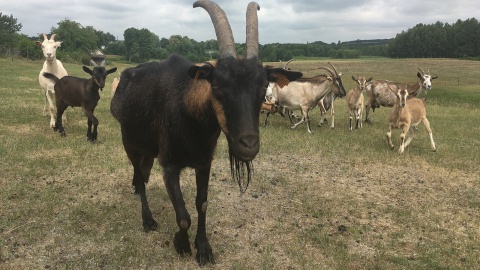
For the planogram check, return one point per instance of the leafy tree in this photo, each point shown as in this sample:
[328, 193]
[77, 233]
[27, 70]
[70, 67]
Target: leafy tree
[140, 44]
[462, 39]
[28, 49]
[8, 31]
[75, 37]
[116, 47]
[104, 38]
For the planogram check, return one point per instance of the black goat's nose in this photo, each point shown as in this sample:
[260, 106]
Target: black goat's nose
[249, 141]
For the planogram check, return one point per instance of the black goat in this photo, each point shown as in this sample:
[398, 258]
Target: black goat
[79, 92]
[175, 111]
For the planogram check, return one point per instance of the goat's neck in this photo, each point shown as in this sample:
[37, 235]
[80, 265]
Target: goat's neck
[51, 65]
[415, 86]
[198, 99]
[92, 86]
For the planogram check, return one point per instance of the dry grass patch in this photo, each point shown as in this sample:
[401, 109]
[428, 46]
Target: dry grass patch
[330, 200]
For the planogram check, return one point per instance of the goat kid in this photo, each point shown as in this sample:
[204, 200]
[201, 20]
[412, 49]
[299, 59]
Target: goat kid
[406, 114]
[51, 65]
[355, 101]
[79, 92]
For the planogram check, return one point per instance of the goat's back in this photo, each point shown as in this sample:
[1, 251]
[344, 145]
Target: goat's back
[71, 91]
[417, 109]
[301, 93]
[150, 86]
[150, 105]
[380, 94]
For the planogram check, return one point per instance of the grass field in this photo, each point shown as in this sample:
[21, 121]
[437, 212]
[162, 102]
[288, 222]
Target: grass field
[335, 199]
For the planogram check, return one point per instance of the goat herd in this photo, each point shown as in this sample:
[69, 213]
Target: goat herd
[305, 94]
[175, 111]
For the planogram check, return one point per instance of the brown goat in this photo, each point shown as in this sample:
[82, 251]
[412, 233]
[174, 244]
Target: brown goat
[79, 92]
[406, 114]
[355, 101]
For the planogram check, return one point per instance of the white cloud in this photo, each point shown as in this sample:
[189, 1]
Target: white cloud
[282, 21]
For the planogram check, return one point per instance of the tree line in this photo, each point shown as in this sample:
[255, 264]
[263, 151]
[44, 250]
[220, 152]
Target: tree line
[438, 40]
[459, 40]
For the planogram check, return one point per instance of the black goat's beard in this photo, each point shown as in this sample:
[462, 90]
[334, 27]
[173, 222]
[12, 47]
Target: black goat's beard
[242, 172]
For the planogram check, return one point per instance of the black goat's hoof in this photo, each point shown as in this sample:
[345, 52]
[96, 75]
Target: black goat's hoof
[63, 134]
[204, 253]
[203, 259]
[182, 245]
[150, 225]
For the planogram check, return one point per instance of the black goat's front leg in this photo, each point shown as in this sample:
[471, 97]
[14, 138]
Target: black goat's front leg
[92, 120]
[204, 250]
[171, 177]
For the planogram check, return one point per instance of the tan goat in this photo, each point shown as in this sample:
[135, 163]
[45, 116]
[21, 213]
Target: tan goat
[406, 114]
[355, 101]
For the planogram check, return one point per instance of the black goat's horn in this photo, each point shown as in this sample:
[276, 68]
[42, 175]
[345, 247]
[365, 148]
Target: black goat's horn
[221, 25]
[252, 30]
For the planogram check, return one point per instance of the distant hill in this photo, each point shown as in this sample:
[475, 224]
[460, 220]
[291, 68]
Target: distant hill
[369, 42]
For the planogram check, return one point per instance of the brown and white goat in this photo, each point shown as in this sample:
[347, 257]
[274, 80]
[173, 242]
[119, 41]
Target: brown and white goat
[51, 65]
[379, 95]
[269, 105]
[406, 114]
[305, 93]
[355, 101]
[79, 92]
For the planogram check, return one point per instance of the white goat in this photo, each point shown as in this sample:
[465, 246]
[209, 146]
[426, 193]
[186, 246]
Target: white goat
[379, 95]
[51, 65]
[355, 101]
[305, 93]
[406, 114]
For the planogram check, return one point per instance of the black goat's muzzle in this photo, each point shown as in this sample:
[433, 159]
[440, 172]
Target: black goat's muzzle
[246, 146]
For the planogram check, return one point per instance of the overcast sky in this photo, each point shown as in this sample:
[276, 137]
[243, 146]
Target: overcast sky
[282, 21]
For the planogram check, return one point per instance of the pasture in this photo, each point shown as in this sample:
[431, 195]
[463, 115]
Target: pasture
[334, 199]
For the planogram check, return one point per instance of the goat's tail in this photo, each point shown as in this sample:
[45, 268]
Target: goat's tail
[51, 76]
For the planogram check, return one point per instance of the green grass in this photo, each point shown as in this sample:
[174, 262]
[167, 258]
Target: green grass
[335, 199]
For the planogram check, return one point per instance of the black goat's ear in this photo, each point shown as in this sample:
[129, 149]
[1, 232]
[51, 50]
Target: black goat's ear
[282, 76]
[110, 71]
[87, 70]
[203, 72]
